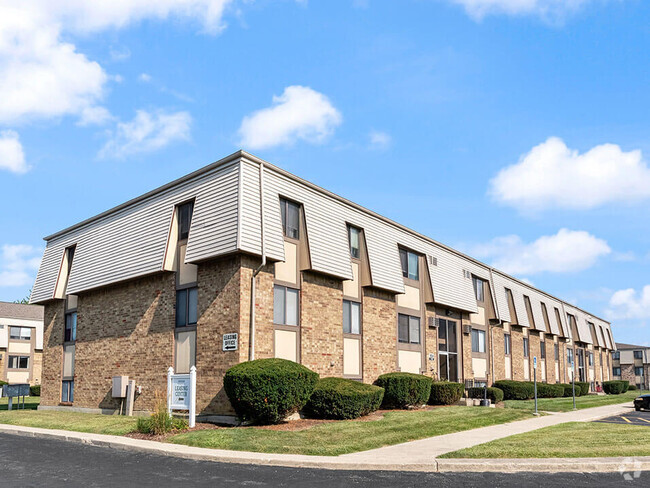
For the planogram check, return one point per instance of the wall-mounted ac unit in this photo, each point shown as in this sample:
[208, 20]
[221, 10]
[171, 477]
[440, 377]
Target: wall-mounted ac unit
[467, 329]
[433, 323]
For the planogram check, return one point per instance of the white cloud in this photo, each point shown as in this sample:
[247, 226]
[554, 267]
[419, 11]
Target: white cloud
[630, 304]
[94, 116]
[18, 264]
[144, 77]
[379, 139]
[300, 113]
[12, 157]
[43, 76]
[478, 9]
[147, 132]
[552, 175]
[566, 251]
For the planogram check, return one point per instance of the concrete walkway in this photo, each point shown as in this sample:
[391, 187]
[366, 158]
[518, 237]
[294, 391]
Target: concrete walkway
[410, 456]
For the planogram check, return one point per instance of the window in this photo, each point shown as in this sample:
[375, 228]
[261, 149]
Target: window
[526, 347]
[18, 362]
[542, 350]
[20, 333]
[408, 329]
[290, 212]
[557, 352]
[447, 349]
[354, 235]
[67, 391]
[616, 355]
[638, 371]
[507, 344]
[478, 340]
[351, 317]
[569, 356]
[285, 305]
[187, 307]
[409, 264]
[638, 354]
[70, 334]
[591, 359]
[184, 220]
[479, 291]
[616, 371]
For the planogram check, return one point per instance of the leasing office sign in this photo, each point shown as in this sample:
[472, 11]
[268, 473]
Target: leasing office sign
[180, 397]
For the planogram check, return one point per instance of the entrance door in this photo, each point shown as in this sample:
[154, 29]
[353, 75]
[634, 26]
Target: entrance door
[581, 365]
[448, 349]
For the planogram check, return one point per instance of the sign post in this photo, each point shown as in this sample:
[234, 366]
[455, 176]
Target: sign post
[181, 393]
[535, 378]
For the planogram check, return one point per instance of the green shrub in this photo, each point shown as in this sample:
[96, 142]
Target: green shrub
[584, 387]
[403, 390]
[568, 389]
[626, 385]
[516, 390]
[445, 392]
[632, 387]
[268, 390]
[549, 390]
[35, 390]
[495, 395]
[615, 387]
[160, 421]
[339, 398]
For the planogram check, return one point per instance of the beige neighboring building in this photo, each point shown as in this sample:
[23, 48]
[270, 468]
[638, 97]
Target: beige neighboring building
[632, 363]
[21, 343]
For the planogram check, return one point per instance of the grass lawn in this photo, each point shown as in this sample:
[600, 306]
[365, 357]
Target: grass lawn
[566, 404]
[31, 403]
[575, 439]
[80, 422]
[343, 437]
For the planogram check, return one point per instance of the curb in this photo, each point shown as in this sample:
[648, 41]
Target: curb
[558, 465]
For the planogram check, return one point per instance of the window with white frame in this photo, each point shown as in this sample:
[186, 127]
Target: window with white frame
[478, 340]
[20, 333]
[351, 317]
[285, 305]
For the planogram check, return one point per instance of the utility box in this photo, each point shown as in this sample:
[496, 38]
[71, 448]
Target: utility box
[119, 386]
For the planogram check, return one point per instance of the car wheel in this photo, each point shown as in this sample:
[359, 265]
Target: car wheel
[638, 409]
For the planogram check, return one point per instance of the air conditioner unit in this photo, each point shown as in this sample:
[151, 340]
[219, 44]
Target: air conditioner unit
[467, 329]
[433, 323]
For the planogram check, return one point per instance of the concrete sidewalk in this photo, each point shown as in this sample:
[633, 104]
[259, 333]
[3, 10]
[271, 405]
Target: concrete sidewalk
[410, 456]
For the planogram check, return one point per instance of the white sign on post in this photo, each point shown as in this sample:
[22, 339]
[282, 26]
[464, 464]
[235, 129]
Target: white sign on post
[230, 342]
[181, 392]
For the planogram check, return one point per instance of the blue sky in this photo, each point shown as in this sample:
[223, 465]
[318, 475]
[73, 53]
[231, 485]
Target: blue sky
[515, 130]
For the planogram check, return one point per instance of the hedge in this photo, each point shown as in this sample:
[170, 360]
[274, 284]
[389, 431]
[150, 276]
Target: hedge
[584, 387]
[568, 389]
[516, 390]
[495, 395]
[549, 390]
[632, 387]
[445, 392]
[626, 385]
[35, 390]
[339, 398]
[403, 390]
[615, 387]
[268, 390]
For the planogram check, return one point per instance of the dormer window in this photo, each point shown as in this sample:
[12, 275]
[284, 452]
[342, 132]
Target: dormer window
[290, 212]
[410, 268]
[354, 236]
[478, 289]
[184, 220]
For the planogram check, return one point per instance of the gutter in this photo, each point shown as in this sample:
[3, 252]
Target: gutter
[251, 350]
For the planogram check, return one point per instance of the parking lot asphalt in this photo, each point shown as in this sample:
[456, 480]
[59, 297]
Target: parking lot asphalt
[629, 418]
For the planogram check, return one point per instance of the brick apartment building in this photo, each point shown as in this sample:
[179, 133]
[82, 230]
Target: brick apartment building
[244, 247]
[632, 363]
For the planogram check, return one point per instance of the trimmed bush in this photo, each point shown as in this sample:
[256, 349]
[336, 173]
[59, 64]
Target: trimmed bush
[35, 390]
[615, 387]
[584, 387]
[268, 390]
[495, 395]
[445, 392]
[403, 390]
[632, 387]
[339, 398]
[516, 390]
[568, 389]
[549, 390]
[626, 385]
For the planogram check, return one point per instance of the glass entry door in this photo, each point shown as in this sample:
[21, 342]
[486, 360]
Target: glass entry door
[448, 349]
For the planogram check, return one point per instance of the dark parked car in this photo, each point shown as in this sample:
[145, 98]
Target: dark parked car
[642, 401]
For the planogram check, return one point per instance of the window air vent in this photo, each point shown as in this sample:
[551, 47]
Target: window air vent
[433, 261]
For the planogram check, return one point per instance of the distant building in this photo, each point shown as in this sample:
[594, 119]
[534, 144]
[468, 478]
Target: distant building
[632, 363]
[21, 343]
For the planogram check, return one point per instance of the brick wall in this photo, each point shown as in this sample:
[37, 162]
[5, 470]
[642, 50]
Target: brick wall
[535, 351]
[379, 334]
[430, 343]
[499, 354]
[517, 339]
[52, 352]
[37, 369]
